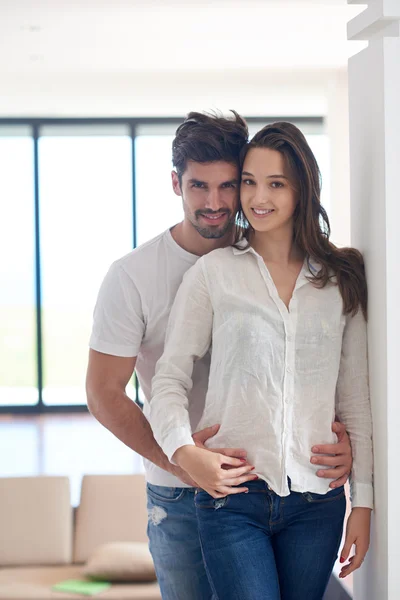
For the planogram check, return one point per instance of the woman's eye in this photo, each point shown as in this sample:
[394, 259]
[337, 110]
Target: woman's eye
[247, 181]
[277, 184]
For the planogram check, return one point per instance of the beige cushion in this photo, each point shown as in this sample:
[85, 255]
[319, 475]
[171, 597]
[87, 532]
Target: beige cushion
[35, 521]
[35, 583]
[113, 508]
[121, 561]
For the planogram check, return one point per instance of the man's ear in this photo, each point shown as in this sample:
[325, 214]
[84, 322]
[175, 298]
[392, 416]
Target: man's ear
[176, 186]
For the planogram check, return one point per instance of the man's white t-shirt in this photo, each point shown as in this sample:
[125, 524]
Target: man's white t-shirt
[131, 316]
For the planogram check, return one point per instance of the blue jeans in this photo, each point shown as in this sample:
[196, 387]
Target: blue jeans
[261, 546]
[175, 544]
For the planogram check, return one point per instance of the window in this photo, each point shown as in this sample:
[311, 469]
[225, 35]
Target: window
[157, 206]
[86, 222]
[18, 380]
[75, 195]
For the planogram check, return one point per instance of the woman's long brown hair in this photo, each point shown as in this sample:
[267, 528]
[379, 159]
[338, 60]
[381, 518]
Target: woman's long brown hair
[311, 224]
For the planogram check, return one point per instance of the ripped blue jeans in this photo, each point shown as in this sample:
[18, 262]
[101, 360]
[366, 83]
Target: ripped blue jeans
[175, 544]
[262, 546]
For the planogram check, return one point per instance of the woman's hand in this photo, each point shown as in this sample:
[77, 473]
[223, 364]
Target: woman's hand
[210, 470]
[357, 533]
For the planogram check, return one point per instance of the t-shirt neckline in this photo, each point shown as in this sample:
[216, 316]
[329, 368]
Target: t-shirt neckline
[188, 256]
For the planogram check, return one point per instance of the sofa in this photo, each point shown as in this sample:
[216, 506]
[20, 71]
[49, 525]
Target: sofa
[44, 541]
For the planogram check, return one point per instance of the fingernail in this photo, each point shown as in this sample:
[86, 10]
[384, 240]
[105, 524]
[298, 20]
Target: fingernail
[246, 492]
[255, 477]
[315, 449]
[342, 559]
[314, 460]
[242, 459]
[252, 468]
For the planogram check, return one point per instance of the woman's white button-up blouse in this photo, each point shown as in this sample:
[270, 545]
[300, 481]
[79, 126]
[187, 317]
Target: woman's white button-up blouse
[277, 376]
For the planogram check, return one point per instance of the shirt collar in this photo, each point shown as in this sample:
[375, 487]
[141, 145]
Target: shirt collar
[313, 265]
[310, 266]
[243, 246]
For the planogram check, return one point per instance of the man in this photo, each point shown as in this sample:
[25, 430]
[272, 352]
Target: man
[129, 328]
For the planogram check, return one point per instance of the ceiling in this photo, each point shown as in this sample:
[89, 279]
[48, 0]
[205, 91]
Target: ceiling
[94, 37]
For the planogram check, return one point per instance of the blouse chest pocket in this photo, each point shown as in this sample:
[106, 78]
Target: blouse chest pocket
[320, 317]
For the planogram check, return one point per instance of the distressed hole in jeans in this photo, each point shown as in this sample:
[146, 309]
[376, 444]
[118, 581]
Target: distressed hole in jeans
[157, 515]
[220, 503]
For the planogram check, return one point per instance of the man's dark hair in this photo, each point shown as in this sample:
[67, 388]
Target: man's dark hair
[208, 137]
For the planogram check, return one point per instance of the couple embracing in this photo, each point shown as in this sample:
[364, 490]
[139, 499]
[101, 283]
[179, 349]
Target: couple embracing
[245, 368]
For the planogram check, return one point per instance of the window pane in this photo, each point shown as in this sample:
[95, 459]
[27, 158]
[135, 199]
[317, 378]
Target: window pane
[17, 272]
[19, 448]
[86, 223]
[157, 207]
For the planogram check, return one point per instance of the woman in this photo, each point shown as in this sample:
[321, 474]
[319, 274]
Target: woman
[285, 312]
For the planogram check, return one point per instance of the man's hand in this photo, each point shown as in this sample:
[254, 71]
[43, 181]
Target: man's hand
[340, 462]
[209, 470]
[202, 436]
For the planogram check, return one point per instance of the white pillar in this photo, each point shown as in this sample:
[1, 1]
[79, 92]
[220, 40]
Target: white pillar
[337, 121]
[374, 92]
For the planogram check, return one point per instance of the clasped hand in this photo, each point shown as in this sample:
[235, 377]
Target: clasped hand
[214, 472]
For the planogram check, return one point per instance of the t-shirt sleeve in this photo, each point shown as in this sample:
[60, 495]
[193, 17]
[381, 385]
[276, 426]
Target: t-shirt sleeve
[118, 321]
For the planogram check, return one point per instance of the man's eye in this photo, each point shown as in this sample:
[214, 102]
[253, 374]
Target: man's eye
[197, 185]
[229, 185]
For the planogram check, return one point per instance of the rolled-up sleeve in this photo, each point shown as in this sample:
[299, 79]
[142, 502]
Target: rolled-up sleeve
[354, 410]
[188, 339]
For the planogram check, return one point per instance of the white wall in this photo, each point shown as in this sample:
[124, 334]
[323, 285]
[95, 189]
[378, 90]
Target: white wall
[374, 78]
[164, 93]
[369, 234]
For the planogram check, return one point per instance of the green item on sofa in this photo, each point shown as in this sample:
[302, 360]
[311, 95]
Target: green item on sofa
[80, 586]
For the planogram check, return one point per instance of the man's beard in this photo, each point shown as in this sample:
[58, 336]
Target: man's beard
[212, 232]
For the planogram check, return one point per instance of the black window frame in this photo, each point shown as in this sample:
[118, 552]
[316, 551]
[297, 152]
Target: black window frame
[133, 123]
